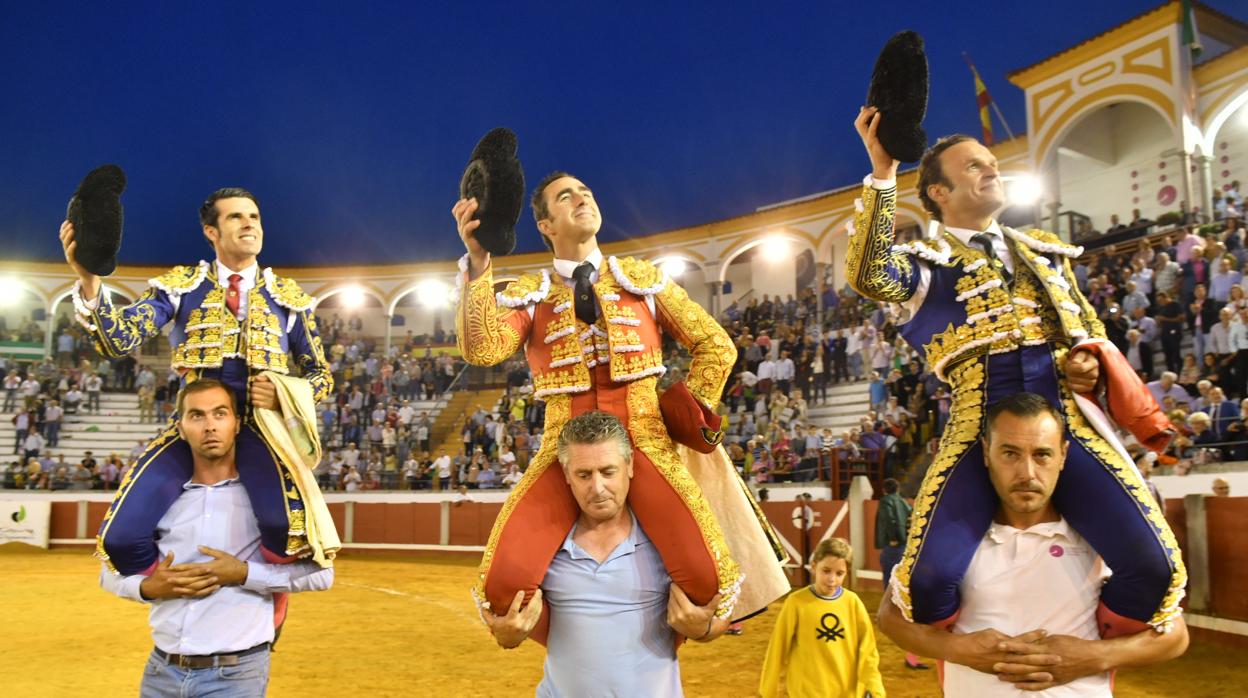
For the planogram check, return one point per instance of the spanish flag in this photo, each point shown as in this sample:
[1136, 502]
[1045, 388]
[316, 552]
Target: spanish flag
[983, 99]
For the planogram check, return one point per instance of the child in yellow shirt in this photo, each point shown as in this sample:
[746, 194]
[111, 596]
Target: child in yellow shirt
[823, 636]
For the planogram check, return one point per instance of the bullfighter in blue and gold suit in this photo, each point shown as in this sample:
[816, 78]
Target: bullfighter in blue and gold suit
[231, 320]
[995, 311]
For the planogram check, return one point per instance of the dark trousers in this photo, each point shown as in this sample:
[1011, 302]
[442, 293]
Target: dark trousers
[840, 367]
[1170, 342]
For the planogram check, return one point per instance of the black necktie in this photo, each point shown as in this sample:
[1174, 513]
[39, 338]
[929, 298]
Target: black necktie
[584, 291]
[984, 240]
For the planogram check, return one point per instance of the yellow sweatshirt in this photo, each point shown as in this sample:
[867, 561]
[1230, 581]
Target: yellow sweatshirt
[826, 645]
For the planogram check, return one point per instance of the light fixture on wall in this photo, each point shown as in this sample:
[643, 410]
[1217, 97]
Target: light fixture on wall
[673, 266]
[775, 248]
[432, 293]
[10, 291]
[1023, 189]
[353, 297]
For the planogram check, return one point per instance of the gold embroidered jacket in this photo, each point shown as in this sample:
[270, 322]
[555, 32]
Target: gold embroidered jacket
[279, 325]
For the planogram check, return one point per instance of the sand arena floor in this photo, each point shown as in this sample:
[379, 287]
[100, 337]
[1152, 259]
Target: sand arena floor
[400, 626]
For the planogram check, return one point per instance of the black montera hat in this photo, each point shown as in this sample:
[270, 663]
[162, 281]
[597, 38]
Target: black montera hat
[96, 213]
[899, 90]
[496, 179]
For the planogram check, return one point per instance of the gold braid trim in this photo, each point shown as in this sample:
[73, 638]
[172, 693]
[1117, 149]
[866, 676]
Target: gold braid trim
[646, 427]
[558, 412]
[713, 353]
[1133, 484]
[872, 267]
[484, 337]
[962, 431]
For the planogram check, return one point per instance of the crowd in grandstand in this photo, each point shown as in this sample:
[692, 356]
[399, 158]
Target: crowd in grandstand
[1174, 301]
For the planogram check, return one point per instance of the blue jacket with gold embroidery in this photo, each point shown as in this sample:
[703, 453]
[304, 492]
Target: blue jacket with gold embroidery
[207, 340]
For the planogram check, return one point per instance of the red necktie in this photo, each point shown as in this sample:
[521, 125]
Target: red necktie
[232, 297]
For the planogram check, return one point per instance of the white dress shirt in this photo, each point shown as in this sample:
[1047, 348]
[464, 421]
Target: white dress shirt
[232, 618]
[245, 284]
[565, 267]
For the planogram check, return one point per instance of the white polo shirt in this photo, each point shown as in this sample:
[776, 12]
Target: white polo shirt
[1046, 576]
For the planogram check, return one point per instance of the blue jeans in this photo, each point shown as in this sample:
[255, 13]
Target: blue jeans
[247, 679]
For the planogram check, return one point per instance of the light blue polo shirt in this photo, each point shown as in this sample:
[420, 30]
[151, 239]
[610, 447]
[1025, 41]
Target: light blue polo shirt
[608, 623]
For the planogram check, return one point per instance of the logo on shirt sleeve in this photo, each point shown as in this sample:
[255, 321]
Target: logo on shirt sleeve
[832, 634]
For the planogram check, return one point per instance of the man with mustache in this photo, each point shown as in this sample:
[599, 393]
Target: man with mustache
[232, 321]
[994, 311]
[1028, 619]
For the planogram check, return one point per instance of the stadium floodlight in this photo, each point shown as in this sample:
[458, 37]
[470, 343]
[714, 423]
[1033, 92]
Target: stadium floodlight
[353, 297]
[775, 248]
[1023, 189]
[673, 266]
[10, 291]
[432, 293]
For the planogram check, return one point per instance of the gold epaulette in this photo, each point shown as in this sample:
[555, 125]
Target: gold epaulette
[1044, 242]
[181, 279]
[286, 292]
[637, 275]
[526, 290]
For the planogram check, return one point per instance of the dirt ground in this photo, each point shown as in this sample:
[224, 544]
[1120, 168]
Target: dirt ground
[394, 624]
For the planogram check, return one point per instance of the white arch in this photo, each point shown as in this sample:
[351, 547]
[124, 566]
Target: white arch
[692, 265]
[787, 235]
[394, 304]
[1091, 108]
[326, 295]
[34, 290]
[113, 290]
[1217, 122]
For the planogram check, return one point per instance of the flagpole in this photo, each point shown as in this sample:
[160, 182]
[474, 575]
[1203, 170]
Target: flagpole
[991, 101]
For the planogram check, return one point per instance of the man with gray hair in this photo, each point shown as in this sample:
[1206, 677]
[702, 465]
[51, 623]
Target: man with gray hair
[1166, 386]
[614, 612]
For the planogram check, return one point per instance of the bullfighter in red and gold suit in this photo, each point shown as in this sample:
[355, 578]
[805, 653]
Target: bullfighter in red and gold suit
[591, 332]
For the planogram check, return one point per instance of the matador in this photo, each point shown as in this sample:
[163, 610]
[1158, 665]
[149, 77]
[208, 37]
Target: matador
[590, 329]
[230, 320]
[995, 311]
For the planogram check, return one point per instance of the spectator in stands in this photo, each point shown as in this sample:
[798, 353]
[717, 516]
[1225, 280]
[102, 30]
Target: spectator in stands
[80, 477]
[110, 472]
[12, 384]
[512, 477]
[442, 471]
[1221, 487]
[1223, 279]
[1166, 275]
[33, 444]
[52, 419]
[1220, 344]
[1237, 344]
[1140, 320]
[351, 479]
[1223, 414]
[1134, 298]
[147, 403]
[1166, 387]
[1172, 321]
[1139, 354]
[72, 400]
